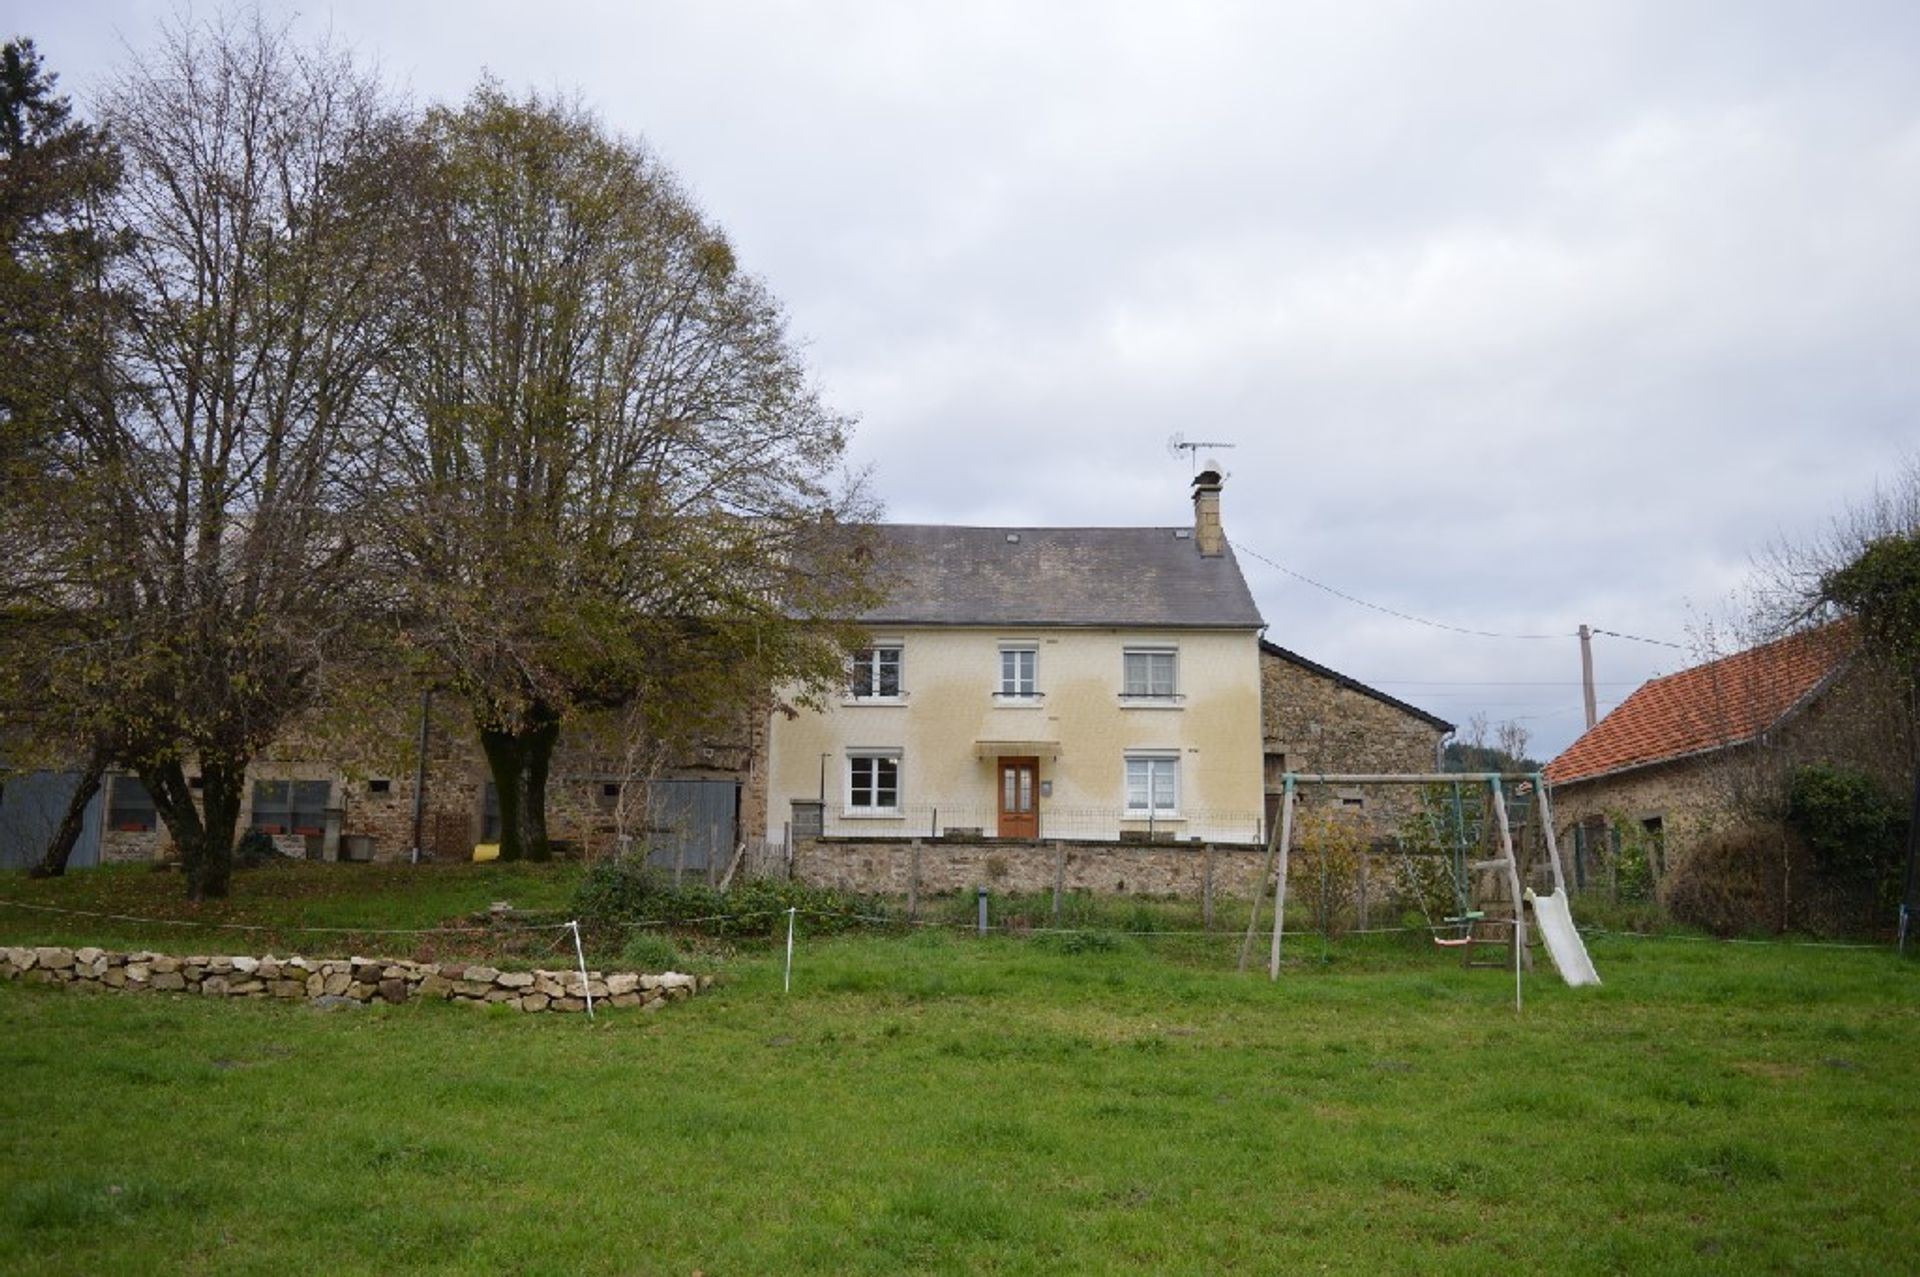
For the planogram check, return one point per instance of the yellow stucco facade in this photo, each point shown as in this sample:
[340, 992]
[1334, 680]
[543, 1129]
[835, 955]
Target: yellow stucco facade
[953, 720]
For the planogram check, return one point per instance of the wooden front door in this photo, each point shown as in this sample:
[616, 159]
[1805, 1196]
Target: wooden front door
[1019, 798]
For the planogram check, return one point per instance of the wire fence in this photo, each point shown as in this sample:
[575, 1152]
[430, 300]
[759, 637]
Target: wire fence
[1007, 918]
[1045, 820]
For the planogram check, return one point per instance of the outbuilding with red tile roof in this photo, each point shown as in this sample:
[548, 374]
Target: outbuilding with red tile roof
[1712, 747]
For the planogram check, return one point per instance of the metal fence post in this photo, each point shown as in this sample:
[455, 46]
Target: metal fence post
[1059, 875]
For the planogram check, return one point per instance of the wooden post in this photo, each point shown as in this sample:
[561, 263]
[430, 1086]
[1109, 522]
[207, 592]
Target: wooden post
[1206, 891]
[1259, 890]
[1586, 674]
[713, 850]
[1545, 811]
[1520, 956]
[679, 857]
[1280, 880]
[1059, 875]
[1364, 861]
[913, 882]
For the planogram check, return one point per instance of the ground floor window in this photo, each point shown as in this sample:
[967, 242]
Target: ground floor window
[1153, 784]
[130, 807]
[873, 783]
[291, 806]
[489, 812]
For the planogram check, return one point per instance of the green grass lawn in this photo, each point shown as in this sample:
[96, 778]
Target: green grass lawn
[362, 904]
[945, 1104]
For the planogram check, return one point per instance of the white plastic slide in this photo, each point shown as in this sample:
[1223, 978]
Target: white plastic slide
[1563, 942]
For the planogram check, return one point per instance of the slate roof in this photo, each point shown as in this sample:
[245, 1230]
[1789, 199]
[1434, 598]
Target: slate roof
[1355, 685]
[1144, 578]
[1725, 702]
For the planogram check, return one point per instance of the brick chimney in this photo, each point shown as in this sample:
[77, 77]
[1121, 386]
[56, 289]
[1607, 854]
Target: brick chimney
[1208, 535]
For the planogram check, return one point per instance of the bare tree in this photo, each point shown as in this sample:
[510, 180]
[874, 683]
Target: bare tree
[610, 483]
[192, 595]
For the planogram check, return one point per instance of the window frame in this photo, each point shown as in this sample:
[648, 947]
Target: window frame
[293, 807]
[1156, 762]
[490, 828]
[870, 662]
[1009, 690]
[146, 817]
[1151, 654]
[874, 788]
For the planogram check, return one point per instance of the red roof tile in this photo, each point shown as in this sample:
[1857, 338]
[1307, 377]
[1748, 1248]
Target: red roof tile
[1723, 702]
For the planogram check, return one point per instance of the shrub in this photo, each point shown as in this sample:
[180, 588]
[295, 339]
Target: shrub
[1077, 942]
[1324, 870]
[254, 849]
[1855, 831]
[627, 891]
[1425, 880]
[1635, 853]
[650, 951]
[1731, 883]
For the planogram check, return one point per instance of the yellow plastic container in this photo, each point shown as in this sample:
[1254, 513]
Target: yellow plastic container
[485, 851]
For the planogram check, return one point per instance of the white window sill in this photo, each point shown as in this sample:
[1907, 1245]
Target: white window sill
[873, 813]
[1151, 702]
[1158, 818]
[1002, 701]
[873, 700]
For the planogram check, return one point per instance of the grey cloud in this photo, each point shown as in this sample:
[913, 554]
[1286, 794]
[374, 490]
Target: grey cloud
[1520, 315]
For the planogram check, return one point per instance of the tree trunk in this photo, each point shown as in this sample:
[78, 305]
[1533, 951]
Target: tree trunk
[1910, 888]
[520, 760]
[205, 840]
[54, 863]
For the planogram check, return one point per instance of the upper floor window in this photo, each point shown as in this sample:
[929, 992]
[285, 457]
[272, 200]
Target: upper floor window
[1150, 672]
[876, 672]
[1018, 670]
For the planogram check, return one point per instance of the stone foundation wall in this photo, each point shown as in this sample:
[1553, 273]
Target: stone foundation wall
[332, 981]
[930, 867]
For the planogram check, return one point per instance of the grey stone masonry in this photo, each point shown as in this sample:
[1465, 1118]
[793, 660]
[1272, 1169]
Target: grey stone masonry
[331, 981]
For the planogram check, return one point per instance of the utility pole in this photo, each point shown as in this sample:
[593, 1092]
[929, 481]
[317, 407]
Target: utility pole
[1586, 673]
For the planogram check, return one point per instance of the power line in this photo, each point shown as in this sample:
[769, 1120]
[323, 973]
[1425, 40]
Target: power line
[1638, 639]
[1428, 621]
[1394, 612]
[1496, 682]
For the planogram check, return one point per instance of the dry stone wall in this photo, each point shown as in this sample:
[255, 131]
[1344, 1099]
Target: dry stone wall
[334, 981]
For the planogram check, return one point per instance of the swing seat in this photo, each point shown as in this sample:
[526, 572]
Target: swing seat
[1465, 920]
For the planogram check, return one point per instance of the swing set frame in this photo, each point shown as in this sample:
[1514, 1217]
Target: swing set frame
[1280, 838]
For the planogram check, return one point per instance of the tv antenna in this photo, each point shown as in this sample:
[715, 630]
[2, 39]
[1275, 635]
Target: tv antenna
[1178, 443]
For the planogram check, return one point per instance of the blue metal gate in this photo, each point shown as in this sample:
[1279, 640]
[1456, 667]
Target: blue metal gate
[31, 808]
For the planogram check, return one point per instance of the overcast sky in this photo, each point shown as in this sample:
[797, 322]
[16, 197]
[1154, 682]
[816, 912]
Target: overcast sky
[1518, 315]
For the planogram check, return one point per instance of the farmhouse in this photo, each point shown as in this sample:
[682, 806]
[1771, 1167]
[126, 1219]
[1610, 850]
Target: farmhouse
[1042, 683]
[1019, 685]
